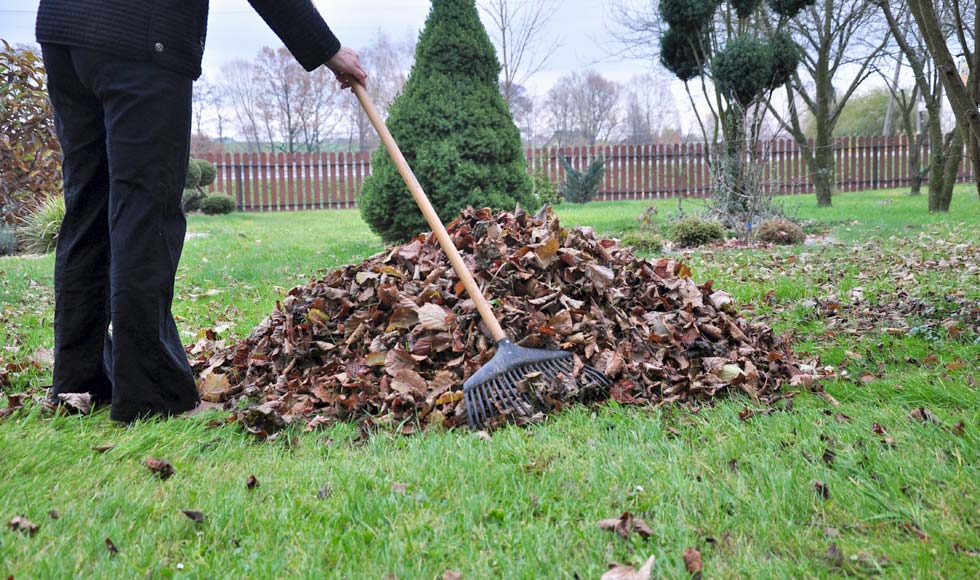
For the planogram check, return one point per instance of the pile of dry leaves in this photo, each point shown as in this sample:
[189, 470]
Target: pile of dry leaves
[392, 339]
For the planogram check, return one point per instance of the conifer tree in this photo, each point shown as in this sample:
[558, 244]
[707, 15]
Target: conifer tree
[454, 128]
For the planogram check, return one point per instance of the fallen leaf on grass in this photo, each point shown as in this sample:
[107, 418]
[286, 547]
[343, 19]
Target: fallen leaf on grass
[822, 489]
[914, 529]
[626, 524]
[43, 356]
[213, 388]
[399, 487]
[103, 448]
[958, 429]
[692, 560]
[924, 415]
[80, 403]
[745, 414]
[53, 514]
[835, 556]
[160, 467]
[251, 482]
[452, 575]
[620, 572]
[14, 402]
[23, 525]
[111, 546]
[324, 492]
[195, 515]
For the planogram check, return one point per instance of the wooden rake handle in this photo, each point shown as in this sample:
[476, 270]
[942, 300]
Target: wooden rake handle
[486, 312]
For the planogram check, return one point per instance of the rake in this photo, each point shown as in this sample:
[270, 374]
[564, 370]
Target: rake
[500, 386]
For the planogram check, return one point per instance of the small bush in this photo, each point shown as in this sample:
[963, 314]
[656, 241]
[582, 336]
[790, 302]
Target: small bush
[217, 203]
[582, 187]
[778, 231]
[193, 175]
[545, 190]
[39, 232]
[694, 231]
[208, 172]
[8, 240]
[643, 240]
[191, 200]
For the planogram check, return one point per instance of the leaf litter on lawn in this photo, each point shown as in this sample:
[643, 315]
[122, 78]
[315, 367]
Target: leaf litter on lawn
[394, 337]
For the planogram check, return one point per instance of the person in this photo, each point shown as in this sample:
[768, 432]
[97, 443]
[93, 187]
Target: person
[120, 76]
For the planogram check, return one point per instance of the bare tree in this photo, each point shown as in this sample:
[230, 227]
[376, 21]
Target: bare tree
[317, 107]
[650, 109]
[943, 151]
[595, 105]
[240, 88]
[389, 62]
[938, 20]
[560, 111]
[831, 35]
[517, 29]
[200, 101]
[280, 79]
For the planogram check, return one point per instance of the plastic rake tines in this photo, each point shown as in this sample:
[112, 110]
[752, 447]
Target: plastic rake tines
[495, 389]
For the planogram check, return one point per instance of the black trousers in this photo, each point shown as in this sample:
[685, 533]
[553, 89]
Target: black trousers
[124, 127]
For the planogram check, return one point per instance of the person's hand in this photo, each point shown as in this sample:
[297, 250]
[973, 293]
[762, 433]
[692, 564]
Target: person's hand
[346, 65]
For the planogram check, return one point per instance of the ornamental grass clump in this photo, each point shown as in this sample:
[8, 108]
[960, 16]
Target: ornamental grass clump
[39, 232]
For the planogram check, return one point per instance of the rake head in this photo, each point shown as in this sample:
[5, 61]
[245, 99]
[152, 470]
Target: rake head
[495, 388]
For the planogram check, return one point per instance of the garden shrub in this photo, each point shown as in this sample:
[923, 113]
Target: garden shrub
[582, 187]
[217, 203]
[193, 178]
[39, 231]
[8, 240]
[30, 157]
[694, 231]
[191, 199]
[643, 240]
[545, 190]
[777, 231]
[208, 172]
[454, 129]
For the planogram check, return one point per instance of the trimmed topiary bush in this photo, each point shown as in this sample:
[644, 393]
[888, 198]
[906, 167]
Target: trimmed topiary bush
[217, 203]
[694, 231]
[39, 232]
[193, 175]
[454, 128]
[777, 231]
[8, 240]
[208, 172]
[191, 199]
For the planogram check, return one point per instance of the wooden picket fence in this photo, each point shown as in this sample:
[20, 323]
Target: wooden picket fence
[276, 182]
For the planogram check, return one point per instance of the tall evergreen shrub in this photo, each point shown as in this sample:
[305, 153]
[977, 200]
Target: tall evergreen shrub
[454, 128]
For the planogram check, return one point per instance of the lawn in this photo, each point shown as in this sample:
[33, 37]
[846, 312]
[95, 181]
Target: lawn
[897, 497]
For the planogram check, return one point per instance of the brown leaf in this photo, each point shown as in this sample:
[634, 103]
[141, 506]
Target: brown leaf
[23, 525]
[325, 491]
[103, 448]
[194, 515]
[692, 560]
[924, 415]
[834, 556]
[252, 482]
[452, 575]
[621, 572]
[408, 381]
[626, 524]
[53, 514]
[822, 489]
[160, 467]
[214, 387]
[399, 487]
[111, 546]
[745, 414]
[913, 528]
[433, 317]
[958, 429]
[80, 403]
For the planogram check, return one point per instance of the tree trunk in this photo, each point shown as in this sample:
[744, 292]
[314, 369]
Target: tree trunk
[975, 160]
[823, 170]
[937, 160]
[915, 164]
[954, 155]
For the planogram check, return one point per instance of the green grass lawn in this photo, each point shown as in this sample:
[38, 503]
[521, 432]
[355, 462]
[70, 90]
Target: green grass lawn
[525, 503]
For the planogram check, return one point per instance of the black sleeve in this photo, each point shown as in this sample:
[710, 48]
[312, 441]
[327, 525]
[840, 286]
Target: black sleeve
[301, 28]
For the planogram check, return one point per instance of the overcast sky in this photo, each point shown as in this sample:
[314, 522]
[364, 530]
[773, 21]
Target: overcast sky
[236, 31]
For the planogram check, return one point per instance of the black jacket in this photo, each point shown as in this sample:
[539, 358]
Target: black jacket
[171, 32]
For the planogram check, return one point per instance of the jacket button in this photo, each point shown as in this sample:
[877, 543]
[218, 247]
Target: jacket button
[158, 47]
